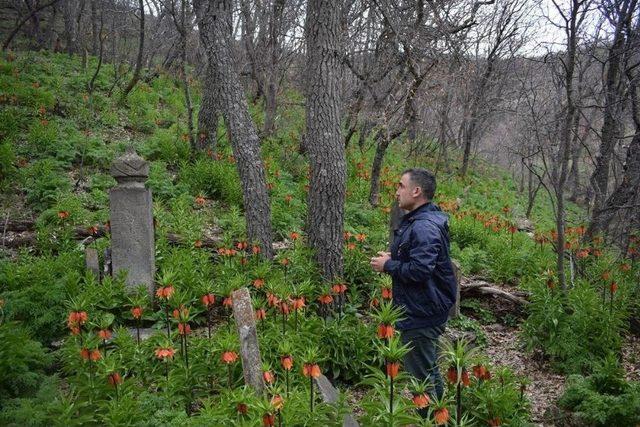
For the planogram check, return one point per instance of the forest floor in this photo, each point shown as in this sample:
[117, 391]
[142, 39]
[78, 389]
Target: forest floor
[504, 348]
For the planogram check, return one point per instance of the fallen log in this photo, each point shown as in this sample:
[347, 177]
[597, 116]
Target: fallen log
[485, 288]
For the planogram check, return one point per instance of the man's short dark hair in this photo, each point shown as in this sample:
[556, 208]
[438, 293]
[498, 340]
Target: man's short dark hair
[424, 179]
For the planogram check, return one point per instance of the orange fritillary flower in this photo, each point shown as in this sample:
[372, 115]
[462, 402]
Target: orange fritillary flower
[164, 353]
[286, 362]
[165, 292]
[452, 375]
[208, 300]
[441, 416]
[392, 369]
[311, 370]
[325, 299]
[229, 357]
[114, 379]
[184, 329]
[104, 334]
[136, 312]
[421, 400]
[339, 288]
[277, 402]
[268, 420]
[268, 377]
[385, 331]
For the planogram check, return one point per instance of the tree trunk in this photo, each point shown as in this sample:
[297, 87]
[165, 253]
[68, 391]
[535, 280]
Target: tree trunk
[325, 221]
[612, 124]
[443, 131]
[13, 33]
[248, 34]
[241, 129]
[36, 35]
[94, 28]
[352, 118]
[183, 71]
[565, 139]
[70, 8]
[208, 114]
[376, 167]
[209, 105]
[272, 77]
[50, 33]
[136, 71]
[623, 196]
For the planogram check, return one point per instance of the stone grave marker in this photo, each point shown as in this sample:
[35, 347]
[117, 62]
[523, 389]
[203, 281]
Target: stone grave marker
[331, 395]
[131, 221]
[92, 262]
[249, 349]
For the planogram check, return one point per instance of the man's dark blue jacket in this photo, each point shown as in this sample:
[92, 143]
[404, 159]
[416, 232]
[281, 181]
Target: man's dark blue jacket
[424, 282]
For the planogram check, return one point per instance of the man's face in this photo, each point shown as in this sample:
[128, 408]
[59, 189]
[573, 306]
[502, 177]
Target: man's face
[407, 194]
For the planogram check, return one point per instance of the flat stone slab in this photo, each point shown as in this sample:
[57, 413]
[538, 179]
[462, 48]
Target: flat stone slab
[331, 395]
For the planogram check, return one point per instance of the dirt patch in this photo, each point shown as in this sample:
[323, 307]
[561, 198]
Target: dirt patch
[545, 387]
[631, 357]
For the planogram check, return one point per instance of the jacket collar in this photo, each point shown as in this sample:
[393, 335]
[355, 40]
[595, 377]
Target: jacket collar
[417, 212]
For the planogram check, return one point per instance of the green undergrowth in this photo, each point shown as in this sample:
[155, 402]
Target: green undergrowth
[57, 142]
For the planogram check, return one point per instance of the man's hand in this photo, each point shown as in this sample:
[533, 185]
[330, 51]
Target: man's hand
[377, 262]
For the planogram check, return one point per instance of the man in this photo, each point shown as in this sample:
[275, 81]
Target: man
[424, 283]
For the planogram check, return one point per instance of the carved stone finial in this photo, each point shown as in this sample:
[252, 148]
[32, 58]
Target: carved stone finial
[130, 167]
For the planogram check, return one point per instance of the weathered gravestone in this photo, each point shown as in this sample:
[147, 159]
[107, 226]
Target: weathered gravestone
[331, 395]
[92, 262]
[131, 222]
[249, 349]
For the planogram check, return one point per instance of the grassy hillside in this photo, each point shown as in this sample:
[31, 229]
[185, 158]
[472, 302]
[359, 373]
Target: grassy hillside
[57, 142]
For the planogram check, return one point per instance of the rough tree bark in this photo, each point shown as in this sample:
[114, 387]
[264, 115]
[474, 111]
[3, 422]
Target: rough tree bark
[623, 196]
[272, 75]
[242, 131]
[94, 28]
[573, 21]
[209, 108]
[70, 8]
[621, 12]
[13, 33]
[136, 71]
[325, 221]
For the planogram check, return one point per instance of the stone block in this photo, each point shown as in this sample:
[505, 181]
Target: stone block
[91, 261]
